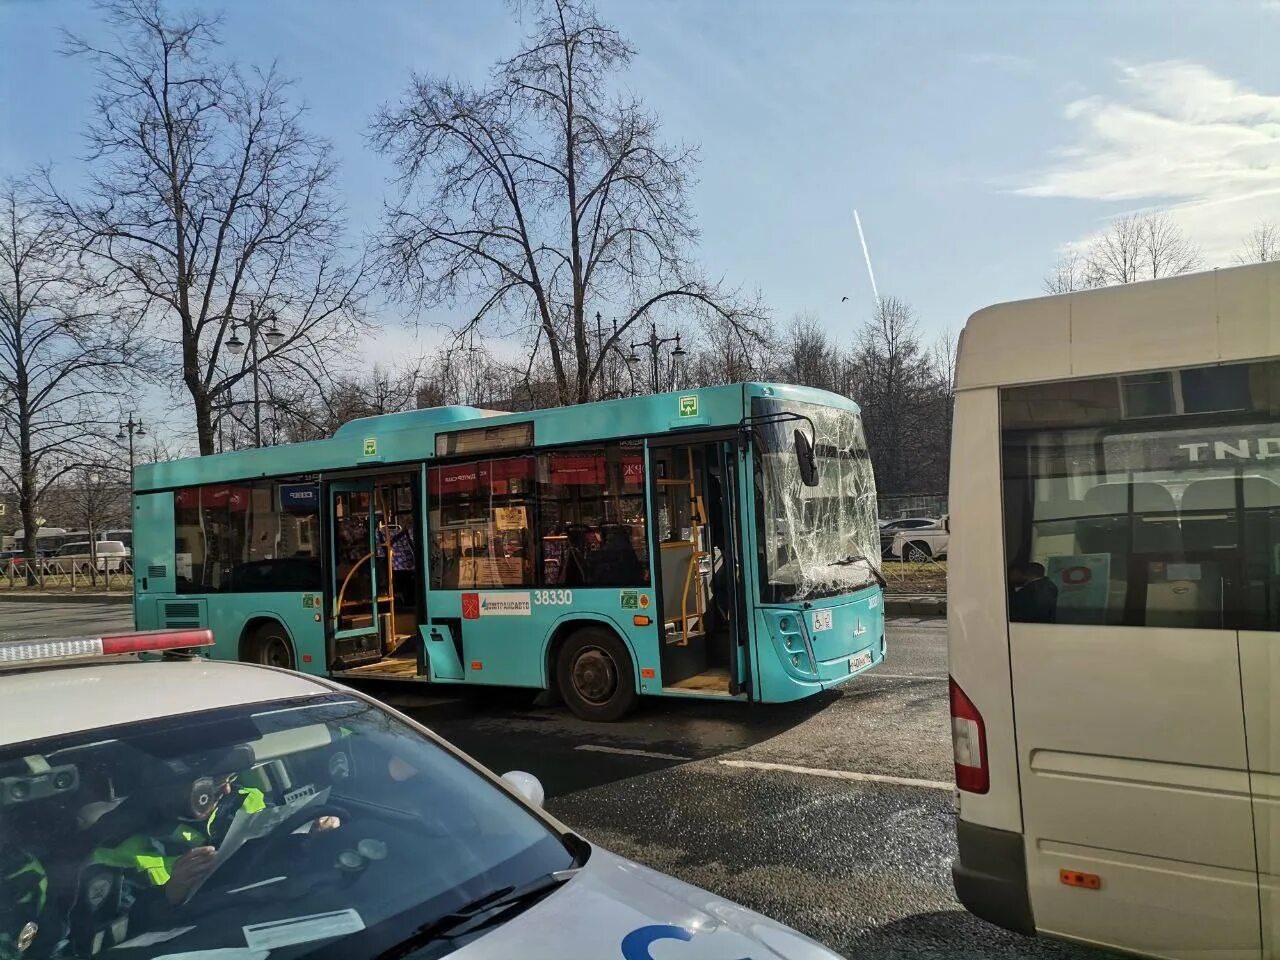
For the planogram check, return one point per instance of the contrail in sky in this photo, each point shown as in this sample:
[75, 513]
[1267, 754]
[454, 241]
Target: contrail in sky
[867, 256]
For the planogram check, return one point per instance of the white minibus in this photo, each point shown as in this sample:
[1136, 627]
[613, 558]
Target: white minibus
[1115, 646]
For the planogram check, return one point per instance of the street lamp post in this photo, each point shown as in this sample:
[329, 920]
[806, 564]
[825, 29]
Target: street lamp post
[235, 346]
[655, 344]
[128, 430]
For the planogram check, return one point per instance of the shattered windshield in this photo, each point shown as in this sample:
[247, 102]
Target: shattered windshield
[814, 541]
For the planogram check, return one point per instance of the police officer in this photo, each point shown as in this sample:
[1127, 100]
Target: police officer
[182, 852]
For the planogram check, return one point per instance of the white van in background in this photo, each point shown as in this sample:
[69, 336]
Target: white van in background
[110, 556]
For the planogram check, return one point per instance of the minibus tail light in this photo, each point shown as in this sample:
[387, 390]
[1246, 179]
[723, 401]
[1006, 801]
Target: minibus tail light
[969, 742]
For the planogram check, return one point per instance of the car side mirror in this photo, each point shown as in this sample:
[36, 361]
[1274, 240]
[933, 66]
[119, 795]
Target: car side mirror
[805, 458]
[527, 785]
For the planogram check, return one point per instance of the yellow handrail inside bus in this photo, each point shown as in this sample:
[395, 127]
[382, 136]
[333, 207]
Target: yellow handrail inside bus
[337, 607]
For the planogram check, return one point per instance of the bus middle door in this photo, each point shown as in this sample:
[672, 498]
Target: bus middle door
[695, 493]
[353, 579]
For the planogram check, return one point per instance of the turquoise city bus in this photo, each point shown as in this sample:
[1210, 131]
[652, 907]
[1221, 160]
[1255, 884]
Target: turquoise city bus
[719, 542]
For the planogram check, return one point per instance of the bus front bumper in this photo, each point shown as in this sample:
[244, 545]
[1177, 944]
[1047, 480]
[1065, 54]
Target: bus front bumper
[990, 876]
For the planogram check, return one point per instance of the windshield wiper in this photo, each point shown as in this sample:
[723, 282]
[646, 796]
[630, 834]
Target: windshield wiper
[861, 558]
[494, 904]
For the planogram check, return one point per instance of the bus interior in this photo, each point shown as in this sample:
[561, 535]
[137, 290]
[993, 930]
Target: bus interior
[376, 597]
[692, 506]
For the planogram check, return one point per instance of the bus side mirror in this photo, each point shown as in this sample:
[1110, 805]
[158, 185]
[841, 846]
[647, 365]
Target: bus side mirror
[946, 523]
[805, 458]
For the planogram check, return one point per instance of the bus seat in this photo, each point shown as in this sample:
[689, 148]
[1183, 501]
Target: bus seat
[615, 563]
[1261, 493]
[1209, 519]
[1155, 522]
[1104, 528]
[676, 557]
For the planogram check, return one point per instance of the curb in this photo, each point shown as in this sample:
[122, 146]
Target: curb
[915, 606]
[15, 596]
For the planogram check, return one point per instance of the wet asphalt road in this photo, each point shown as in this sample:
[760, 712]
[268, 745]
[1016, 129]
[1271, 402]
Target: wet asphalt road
[853, 849]
[705, 792]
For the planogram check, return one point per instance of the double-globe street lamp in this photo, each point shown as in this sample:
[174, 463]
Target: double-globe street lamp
[274, 337]
[128, 430]
[655, 344]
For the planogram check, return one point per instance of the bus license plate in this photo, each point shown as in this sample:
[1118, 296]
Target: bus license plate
[859, 661]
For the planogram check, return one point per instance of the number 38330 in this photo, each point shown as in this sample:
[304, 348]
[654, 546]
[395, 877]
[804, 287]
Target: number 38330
[552, 598]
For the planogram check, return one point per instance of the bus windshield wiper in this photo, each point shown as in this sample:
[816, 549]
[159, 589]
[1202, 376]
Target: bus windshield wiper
[861, 558]
[492, 904]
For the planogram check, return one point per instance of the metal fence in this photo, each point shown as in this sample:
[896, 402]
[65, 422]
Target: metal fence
[110, 574]
[912, 505]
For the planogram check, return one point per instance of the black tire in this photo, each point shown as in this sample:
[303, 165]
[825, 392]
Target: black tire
[595, 675]
[917, 552]
[269, 645]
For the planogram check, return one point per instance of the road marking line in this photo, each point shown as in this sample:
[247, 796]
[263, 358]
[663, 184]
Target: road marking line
[840, 774]
[872, 674]
[627, 752]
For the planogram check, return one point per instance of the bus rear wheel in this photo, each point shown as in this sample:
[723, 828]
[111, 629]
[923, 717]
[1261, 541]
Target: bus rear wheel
[594, 674]
[269, 645]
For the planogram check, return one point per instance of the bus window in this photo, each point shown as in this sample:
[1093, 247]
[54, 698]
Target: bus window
[249, 537]
[480, 521]
[1170, 521]
[592, 518]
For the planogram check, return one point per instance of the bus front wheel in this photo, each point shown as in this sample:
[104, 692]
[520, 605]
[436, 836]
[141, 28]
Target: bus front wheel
[594, 674]
[269, 645]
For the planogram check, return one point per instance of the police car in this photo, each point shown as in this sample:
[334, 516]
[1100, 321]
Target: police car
[156, 804]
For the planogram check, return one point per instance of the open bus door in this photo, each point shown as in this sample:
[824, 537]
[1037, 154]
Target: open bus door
[353, 574]
[699, 569]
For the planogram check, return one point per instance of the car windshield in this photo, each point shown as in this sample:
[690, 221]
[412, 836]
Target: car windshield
[814, 541]
[322, 827]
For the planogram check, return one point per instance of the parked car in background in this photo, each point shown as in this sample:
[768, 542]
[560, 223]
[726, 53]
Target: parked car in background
[111, 556]
[922, 543]
[889, 529]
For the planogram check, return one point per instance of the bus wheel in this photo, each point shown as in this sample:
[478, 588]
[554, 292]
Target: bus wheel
[593, 671]
[269, 645]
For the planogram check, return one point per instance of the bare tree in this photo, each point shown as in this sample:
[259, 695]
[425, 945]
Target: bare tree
[806, 356]
[307, 415]
[211, 206]
[540, 199]
[1068, 274]
[1262, 245]
[1136, 246]
[62, 360]
[898, 389]
[98, 495]
[720, 356]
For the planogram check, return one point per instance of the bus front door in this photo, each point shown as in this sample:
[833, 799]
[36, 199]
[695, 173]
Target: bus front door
[697, 532]
[353, 582]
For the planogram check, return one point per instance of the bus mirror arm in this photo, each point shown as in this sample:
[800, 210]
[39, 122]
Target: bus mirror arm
[807, 461]
[805, 457]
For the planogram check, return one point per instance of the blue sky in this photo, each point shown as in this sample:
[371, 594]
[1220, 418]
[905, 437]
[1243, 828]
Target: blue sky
[976, 139]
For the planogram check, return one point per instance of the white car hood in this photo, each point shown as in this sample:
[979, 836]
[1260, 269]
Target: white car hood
[618, 910]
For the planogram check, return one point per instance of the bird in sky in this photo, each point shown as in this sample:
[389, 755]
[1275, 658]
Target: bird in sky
[843, 299]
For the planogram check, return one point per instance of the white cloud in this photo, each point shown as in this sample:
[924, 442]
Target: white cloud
[1179, 136]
